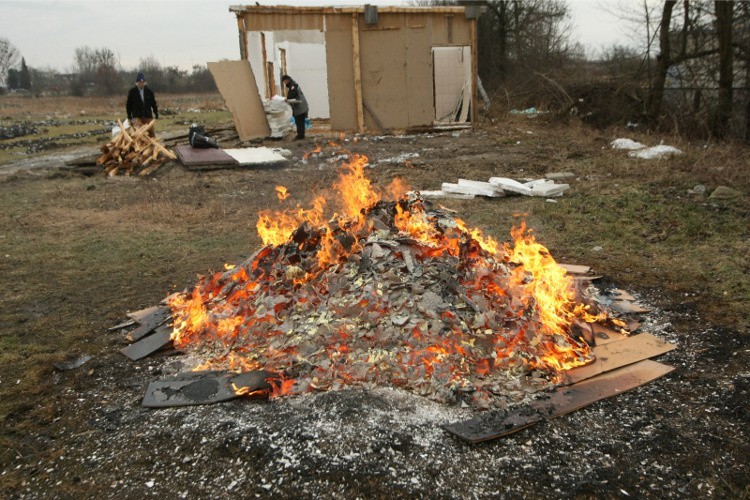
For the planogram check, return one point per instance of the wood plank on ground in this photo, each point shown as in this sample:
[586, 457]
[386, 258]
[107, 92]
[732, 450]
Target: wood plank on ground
[206, 387]
[613, 355]
[495, 424]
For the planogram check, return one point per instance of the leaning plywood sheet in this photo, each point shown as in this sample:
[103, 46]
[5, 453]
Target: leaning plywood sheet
[197, 388]
[203, 157]
[495, 424]
[256, 157]
[237, 86]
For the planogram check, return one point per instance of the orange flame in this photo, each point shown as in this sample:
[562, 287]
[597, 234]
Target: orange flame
[282, 193]
[248, 309]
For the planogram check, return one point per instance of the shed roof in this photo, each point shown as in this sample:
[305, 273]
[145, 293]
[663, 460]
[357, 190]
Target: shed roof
[289, 9]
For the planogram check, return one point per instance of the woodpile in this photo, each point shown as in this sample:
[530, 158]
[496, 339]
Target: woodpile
[133, 151]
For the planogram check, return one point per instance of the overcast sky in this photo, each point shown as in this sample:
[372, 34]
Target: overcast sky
[184, 33]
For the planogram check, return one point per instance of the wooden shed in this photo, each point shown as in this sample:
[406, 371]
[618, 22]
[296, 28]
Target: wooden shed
[365, 68]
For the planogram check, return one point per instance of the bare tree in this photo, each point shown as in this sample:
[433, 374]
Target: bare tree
[98, 67]
[523, 35]
[720, 125]
[9, 57]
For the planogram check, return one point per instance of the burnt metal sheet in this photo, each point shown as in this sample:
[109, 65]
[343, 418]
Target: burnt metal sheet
[197, 388]
[148, 345]
[199, 157]
[495, 424]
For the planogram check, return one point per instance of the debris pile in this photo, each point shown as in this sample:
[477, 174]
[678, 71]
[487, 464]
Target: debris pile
[133, 152]
[389, 293]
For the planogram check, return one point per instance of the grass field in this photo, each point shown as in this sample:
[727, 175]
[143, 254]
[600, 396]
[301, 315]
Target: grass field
[67, 122]
[77, 253]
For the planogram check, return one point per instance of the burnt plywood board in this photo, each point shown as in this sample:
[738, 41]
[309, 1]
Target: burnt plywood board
[148, 345]
[237, 86]
[614, 355]
[207, 387]
[496, 424]
[200, 157]
[149, 323]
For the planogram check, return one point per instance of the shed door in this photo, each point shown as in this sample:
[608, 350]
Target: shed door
[452, 81]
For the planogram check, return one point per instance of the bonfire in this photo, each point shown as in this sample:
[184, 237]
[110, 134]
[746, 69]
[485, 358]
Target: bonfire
[383, 289]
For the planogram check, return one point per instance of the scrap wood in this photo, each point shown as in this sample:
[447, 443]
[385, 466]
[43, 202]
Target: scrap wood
[148, 345]
[495, 424]
[130, 151]
[617, 354]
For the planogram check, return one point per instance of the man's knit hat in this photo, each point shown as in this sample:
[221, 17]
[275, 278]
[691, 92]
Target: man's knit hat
[140, 77]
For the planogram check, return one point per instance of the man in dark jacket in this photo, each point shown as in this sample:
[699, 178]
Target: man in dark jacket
[141, 103]
[296, 99]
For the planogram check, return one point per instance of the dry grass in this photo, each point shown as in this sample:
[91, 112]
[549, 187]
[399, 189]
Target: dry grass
[77, 253]
[13, 107]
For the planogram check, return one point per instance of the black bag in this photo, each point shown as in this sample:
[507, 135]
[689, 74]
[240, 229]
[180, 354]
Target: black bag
[198, 139]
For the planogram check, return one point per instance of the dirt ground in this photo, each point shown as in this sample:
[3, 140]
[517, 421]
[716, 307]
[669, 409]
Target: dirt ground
[79, 252]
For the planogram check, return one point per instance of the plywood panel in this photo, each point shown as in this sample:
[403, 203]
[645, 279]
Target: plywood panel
[460, 31]
[237, 86]
[341, 100]
[383, 65]
[419, 87]
[283, 21]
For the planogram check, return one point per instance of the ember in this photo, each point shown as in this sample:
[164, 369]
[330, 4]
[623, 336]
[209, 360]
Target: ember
[387, 292]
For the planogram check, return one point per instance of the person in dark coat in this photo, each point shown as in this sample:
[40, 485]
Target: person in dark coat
[296, 99]
[141, 106]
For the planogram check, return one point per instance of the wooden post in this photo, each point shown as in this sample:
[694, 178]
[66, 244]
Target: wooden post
[264, 63]
[474, 65]
[357, 74]
[243, 36]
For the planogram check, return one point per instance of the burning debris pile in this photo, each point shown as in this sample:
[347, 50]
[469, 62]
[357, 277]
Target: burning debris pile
[391, 293]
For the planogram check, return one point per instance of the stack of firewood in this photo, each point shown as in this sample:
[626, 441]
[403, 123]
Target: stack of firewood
[133, 151]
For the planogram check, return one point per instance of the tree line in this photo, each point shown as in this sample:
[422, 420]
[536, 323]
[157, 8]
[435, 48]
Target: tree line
[96, 71]
[689, 69]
